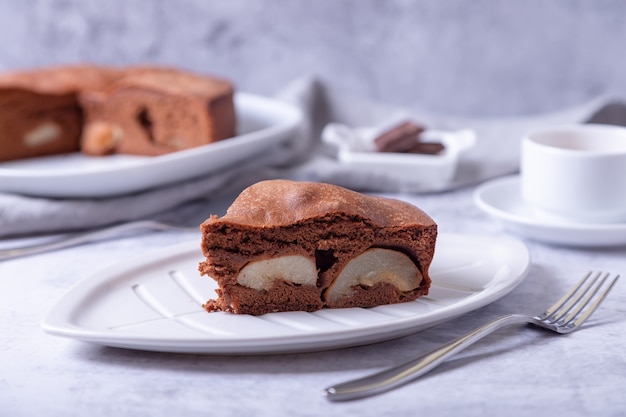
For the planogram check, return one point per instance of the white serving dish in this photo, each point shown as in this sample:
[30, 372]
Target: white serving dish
[262, 124]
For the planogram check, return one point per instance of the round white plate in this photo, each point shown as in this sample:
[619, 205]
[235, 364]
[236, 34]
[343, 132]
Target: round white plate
[261, 123]
[154, 303]
[502, 199]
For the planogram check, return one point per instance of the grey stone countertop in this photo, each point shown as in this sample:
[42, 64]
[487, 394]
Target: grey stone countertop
[514, 372]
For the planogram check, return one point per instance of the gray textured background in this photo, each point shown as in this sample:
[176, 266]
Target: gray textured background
[473, 57]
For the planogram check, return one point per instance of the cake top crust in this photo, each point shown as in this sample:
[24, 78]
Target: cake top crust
[80, 78]
[282, 202]
[175, 82]
[60, 80]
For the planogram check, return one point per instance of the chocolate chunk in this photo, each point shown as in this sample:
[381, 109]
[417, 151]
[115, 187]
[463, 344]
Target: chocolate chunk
[400, 138]
[427, 148]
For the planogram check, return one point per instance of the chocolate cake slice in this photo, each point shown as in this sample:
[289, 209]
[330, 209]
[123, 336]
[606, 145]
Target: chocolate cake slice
[285, 246]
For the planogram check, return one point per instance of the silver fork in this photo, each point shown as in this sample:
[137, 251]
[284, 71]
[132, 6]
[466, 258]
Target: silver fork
[79, 238]
[565, 316]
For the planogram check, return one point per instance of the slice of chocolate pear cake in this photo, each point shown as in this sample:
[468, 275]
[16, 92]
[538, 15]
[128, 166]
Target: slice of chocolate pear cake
[288, 246]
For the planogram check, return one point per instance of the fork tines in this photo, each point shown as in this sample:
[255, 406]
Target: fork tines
[581, 301]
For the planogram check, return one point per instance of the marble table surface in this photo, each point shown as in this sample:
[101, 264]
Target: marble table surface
[515, 372]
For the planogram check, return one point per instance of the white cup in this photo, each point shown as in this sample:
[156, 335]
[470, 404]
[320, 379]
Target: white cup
[576, 173]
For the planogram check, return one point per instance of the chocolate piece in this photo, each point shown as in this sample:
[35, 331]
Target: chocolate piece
[286, 245]
[427, 148]
[400, 138]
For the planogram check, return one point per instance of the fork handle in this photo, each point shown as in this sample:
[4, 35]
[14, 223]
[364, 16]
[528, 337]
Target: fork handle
[399, 375]
[79, 238]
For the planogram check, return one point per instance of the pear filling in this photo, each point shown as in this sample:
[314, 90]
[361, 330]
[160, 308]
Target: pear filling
[375, 265]
[46, 132]
[261, 275]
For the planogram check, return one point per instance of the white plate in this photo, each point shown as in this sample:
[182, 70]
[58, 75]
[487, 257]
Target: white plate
[502, 199]
[262, 122]
[154, 303]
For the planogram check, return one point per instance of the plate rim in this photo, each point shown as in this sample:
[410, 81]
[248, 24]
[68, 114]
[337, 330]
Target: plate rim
[57, 320]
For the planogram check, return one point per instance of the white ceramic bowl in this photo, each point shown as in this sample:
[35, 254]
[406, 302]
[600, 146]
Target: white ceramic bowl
[353, 152]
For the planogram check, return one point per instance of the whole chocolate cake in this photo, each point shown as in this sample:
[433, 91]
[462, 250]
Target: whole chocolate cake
[285, 246]
[104, 110]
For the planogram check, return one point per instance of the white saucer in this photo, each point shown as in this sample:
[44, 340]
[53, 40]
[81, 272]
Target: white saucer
[502, 199]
